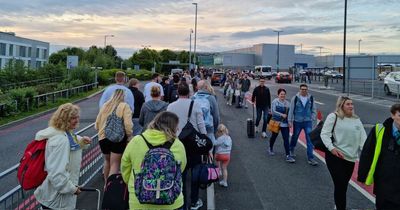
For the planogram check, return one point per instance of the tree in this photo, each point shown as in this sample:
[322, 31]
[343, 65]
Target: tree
[183, 57]
[167, 55]
[145, 58]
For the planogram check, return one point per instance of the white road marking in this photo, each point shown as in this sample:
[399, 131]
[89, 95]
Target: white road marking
[320, 103]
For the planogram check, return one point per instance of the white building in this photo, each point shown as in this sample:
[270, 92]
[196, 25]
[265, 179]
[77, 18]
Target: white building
[33, 53]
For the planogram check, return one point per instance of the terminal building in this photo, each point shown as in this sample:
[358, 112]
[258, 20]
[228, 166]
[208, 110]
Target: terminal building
[33, 53]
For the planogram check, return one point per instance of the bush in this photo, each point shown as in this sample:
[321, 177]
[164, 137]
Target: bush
[46, 88]
[82, 73]
[104, 77]
[21, 95]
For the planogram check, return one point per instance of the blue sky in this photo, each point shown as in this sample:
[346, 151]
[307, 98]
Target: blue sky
[222, 24]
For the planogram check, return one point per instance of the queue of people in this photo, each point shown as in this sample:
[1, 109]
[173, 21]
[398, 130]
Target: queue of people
[342, 134]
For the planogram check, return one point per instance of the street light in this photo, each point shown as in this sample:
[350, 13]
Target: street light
[277, 51]
[190, 49]
[344, 47]
[359, 44]
[195, 36]
[105, 39]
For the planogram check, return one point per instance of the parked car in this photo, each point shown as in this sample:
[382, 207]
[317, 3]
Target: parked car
[382, 75]
[392, 83]
[336, 75]
[283, 77]
[216, 78]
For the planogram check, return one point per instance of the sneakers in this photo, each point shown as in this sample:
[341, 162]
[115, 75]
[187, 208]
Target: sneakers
[196, 205]
[256, 129]
[291, 154]
[289, 159]
[312, 162]
[271, 152]
[223, 183]
[264, 134]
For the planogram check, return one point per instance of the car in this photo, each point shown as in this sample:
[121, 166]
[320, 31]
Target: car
[336, 75]
[216, 78]
[282, 77]
[382, 75]
[392, 83]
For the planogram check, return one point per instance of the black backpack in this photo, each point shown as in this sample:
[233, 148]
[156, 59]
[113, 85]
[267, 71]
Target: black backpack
[173, 93]
[194, 141]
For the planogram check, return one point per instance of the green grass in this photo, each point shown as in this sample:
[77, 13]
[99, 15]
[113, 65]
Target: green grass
[23, 114]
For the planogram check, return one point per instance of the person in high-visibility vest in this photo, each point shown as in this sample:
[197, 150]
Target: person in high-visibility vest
[380, 161]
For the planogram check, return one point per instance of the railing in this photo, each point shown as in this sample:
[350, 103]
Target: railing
[30, 83]
[91, 164]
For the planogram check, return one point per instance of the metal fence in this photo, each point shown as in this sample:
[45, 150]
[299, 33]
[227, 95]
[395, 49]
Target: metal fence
[30, 83]
[18, 199]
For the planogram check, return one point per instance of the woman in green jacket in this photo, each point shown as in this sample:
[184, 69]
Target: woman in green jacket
[162, 129]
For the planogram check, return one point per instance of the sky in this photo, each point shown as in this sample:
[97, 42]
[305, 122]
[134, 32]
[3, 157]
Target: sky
[313, 26]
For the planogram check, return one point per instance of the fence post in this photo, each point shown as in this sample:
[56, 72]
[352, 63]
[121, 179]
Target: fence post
[37, 102]
[16, 105]
[27, 104]
[364, 88]
[54, 98]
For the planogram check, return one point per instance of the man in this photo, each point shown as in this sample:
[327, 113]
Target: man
[262, 98]
[120, 81]
[245, 83]
[134, 85]
[209, 105]
[302, 114]
[154, 82]
[181, 108]
[171, 94]
[383, 168]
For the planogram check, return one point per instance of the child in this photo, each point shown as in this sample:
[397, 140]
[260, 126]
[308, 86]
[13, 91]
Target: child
[223, 147]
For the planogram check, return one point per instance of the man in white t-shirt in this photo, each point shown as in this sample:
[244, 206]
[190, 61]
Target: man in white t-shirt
[154, 82]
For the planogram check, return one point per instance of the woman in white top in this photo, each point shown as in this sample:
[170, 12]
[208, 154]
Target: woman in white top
[349, 137]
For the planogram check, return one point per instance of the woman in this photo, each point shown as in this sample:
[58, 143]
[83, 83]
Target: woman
[151, 108]
[280, 107]
[112, 151]
[348, 138]
[63, 155]
[162, 129]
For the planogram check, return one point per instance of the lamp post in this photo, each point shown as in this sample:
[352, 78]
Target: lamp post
[105, 40]
[344, 47]
[195, 37]
[190, 50]
[277, 51]
[359, 45]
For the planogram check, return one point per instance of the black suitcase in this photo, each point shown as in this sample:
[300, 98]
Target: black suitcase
[250, 126]
[116, 195]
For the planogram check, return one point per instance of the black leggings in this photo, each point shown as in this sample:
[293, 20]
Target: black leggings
[341, 171]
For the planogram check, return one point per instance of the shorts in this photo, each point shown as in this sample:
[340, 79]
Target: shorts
[107, 146]
[224, 158]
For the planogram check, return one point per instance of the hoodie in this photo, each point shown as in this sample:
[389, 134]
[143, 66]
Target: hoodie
[133, 157]
[149, 110]
[63, 166]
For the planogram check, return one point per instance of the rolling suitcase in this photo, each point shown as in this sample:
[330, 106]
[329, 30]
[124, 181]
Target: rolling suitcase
[85, 189]
[250, 126]
[116, 195]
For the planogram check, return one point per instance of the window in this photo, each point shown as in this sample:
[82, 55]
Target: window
[37, 52]
[22, 51]
[1, 63]
[11, 50]
[45, 54]
[2, 49]
[29, 51]
[38, 64]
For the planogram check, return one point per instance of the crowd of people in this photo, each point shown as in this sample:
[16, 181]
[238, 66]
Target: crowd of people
[156, 117]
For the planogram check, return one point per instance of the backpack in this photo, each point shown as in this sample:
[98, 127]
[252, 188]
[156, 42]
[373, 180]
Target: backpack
[202, 100]
[115, 128]
[195, 142]
[173, 93]
[160, 179]
[31, 171]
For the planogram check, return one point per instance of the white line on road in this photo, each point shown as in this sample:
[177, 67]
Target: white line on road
[320, 103]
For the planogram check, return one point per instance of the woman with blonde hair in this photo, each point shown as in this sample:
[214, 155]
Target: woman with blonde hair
[160, 131]
[343, 135]
[112, 151]
[151, 108]
[63, 155]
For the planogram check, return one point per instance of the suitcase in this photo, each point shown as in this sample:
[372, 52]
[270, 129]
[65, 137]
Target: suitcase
[116, 195]
[86, 189]
[250, 126]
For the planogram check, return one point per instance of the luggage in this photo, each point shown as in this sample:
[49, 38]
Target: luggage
[116, 195]
[250, 126]
[86, 189]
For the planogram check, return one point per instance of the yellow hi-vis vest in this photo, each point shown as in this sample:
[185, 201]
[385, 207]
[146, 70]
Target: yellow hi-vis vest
[379, 131]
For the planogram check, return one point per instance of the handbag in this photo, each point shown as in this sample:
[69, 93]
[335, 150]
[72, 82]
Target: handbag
[194, 141]
[274, 126]
[206, 173]
[315, 136]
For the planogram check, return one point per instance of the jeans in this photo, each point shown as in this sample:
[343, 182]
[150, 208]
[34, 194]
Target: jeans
[285, 136]
[194, 186]
[297, 127]
[264, 111]
[341, 171]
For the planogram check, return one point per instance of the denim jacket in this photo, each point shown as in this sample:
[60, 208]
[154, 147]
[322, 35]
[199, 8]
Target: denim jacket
[279, 108]
[300, 113]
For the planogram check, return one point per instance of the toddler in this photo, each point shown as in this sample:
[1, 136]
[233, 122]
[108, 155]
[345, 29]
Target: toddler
[223, 147]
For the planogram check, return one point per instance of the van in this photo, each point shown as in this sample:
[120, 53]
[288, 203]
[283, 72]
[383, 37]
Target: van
[176, 71]
[263, 71]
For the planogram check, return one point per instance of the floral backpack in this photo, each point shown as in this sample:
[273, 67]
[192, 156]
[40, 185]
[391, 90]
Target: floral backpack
[160, 179]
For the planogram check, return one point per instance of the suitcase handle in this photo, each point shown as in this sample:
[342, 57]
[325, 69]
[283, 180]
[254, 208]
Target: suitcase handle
[89, 189]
